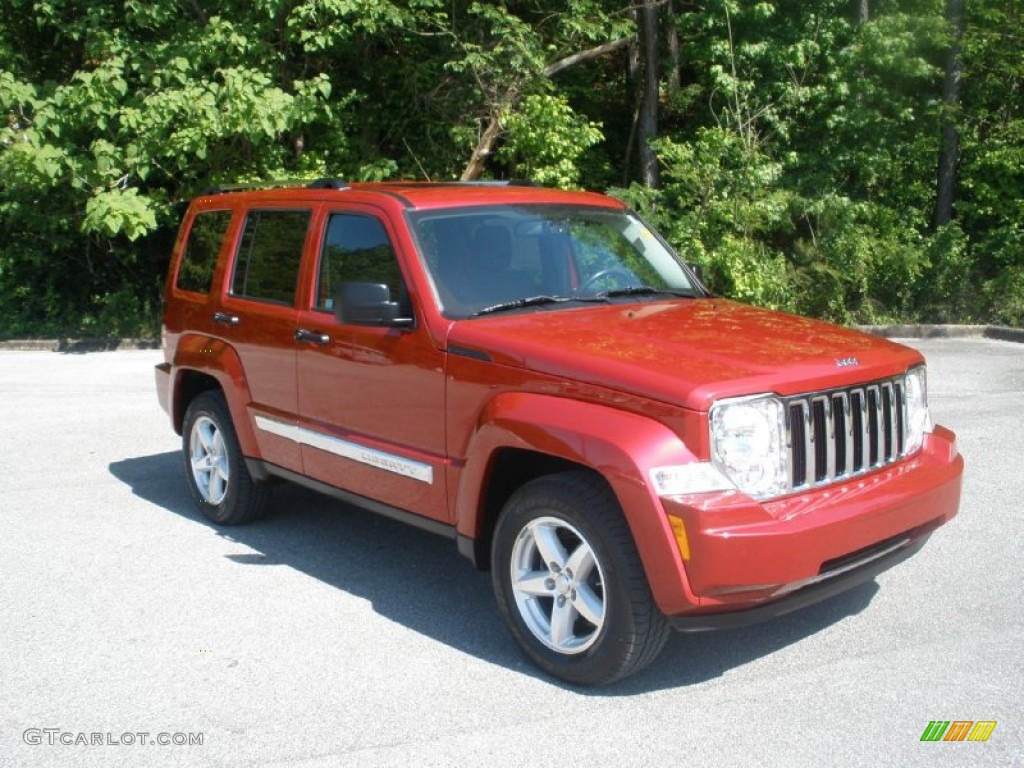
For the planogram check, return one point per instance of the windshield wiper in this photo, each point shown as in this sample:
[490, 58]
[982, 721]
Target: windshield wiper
[529, 301]
[642, 290]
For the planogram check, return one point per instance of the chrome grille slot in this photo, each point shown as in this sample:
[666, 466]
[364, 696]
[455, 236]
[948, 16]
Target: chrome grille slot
[841, 433]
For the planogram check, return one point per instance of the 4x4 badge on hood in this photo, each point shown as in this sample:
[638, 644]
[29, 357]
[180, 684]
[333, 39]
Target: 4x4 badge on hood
[847, 362]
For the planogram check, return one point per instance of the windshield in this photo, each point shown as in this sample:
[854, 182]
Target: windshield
[538, 257]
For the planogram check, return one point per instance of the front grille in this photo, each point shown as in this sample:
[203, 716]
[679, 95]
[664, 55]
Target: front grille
[844, 432]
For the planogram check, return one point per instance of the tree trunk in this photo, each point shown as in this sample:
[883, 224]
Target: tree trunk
[672, 33]
[648, 125]
[633, 71]
[483, 150]
[949, 149]
[863, 12]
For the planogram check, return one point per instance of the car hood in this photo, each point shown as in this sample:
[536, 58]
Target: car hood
[687, 352]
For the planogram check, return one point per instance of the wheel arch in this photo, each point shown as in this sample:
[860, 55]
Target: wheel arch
[189, 385]
[203, 363]
[509, 468]
[520, 437]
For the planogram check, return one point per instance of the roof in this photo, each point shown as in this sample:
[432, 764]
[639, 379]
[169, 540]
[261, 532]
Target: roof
[415, 194]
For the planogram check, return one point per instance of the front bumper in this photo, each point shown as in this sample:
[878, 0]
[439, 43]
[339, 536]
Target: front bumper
[803, 596]
[758, 560]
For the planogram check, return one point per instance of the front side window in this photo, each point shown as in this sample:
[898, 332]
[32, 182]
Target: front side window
[195, 273]
[516, 257]
[356, 249]
[267, 262]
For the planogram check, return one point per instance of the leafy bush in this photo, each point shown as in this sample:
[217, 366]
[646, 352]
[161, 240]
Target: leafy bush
[798, 149]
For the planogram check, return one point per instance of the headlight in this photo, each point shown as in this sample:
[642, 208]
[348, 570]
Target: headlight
[917, 419]
[748, 444]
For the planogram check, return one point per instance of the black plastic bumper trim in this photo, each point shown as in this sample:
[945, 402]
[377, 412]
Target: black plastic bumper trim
[794, 601]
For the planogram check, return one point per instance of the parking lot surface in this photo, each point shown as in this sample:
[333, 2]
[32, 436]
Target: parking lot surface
[325, 635]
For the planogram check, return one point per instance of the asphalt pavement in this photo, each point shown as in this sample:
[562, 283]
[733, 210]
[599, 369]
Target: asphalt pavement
[327, 636]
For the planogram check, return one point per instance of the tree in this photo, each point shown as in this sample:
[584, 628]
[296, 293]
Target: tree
[988, 253]
[950, 141]
[794, 149]
[512, 66]
[648, 114]
[501, 107]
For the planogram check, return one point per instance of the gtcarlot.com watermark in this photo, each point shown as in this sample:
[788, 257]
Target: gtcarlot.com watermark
[58, 736]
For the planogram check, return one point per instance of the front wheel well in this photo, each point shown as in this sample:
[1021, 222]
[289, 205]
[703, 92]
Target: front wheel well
[510, 469]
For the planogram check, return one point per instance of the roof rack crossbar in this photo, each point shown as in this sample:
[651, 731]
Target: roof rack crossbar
[500, 183]
[328, 183]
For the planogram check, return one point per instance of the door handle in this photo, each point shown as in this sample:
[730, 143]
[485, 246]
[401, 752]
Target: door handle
[225, 319]
[314, 336]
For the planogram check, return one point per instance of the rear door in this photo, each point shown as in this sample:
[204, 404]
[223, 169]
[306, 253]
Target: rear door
[257, 316]
[371, 398]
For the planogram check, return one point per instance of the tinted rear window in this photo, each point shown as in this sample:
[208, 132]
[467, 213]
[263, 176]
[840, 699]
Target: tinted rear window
[267, 265]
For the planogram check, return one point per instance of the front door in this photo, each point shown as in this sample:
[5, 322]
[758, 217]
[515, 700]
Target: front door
[371, 399]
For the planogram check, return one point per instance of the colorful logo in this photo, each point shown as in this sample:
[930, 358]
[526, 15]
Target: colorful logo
[958, 730]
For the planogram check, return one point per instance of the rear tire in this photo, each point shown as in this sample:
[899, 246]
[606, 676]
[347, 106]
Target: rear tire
[218, 479]
[569, 582]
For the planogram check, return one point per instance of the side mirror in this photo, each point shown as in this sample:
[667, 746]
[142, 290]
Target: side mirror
[367, 304]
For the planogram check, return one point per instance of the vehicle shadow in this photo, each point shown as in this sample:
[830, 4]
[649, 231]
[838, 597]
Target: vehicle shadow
[418, 580]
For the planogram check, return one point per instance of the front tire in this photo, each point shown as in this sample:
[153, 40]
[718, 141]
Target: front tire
[569, 582]
[217, 476]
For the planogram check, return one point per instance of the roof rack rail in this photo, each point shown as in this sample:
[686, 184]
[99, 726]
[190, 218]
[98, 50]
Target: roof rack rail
[325, 183]
[220, 189]
[457, 183]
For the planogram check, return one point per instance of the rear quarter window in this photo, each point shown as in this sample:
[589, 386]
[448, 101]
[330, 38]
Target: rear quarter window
[195, 273]
[269, 254]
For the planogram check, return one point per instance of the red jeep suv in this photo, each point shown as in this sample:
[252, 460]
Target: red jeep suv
[538, 376]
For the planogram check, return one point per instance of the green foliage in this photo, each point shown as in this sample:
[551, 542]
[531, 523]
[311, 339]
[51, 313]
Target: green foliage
[150, 108]
[815, 159]
[947, 292]
[544, 140]
[798, 154]
[990, 207]
[857, 262]
[719, 206]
